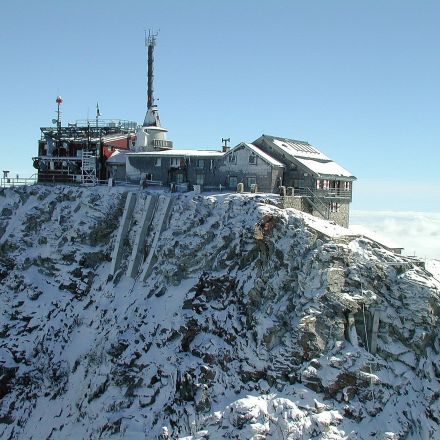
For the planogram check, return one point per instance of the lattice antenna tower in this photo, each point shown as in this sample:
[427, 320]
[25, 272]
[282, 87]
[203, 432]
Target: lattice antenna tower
[150, 42]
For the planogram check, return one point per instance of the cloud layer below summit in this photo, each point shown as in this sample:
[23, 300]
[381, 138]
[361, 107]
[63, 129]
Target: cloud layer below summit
[417, 232]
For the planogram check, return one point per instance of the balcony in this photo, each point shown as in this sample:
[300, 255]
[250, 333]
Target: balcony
[331, 193]
[106, 123]
[162, 145]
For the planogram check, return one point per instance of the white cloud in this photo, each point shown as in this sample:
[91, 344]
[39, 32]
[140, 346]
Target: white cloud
[416, 232]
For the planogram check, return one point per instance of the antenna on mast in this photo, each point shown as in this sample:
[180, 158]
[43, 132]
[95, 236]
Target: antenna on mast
[59, 101]
[150, 42]
[151, 136]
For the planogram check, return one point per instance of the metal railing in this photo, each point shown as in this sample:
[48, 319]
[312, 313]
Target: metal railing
[159, 143]
[59, 176]
[325, 193]
[334, 193]
[7, 181]
[112, 123]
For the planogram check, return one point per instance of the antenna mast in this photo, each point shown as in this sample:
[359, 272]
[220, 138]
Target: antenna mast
[150, 42]
[59, 101]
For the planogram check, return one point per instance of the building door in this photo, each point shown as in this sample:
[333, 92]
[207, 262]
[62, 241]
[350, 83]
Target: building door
[251, 181]
[177, 176]
[200, 179]
[232, 182]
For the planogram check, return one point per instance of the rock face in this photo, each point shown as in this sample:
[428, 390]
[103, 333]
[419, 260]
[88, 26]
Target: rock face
[251, 325]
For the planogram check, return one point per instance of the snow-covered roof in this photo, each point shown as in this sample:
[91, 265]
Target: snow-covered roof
[298, 148]
[118, 157]
[325, 168]
[115, 137]
[303, 153]
[153, 127]
[179, 153]
[263, 155]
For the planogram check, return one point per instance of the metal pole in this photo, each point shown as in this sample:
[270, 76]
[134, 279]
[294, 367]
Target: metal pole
[150, 98]
[150, 42]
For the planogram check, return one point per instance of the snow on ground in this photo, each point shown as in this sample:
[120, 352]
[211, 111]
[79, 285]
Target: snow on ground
[433, 266]
[256, 322]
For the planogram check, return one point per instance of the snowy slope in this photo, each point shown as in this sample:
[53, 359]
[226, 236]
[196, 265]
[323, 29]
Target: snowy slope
[241, 331]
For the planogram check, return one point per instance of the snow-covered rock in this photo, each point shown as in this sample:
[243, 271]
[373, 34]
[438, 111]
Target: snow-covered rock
[253, 324]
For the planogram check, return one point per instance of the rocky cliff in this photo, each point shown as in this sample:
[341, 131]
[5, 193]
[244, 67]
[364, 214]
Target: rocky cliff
[252, 324]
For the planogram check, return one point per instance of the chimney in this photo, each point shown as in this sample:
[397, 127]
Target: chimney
[225, 146]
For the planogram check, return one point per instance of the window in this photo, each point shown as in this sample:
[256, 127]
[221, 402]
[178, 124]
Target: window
[232, 181]
[325, 184]
[179, 178]
[322, 184]
[252, 159]
[200, 179]
[334, 207]
[347, 186]
[251, 181]
[232, 158]
[175, 162]
[200, 163]
[157, 161]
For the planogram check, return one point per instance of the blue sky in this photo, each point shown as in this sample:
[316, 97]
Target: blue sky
[357, 79]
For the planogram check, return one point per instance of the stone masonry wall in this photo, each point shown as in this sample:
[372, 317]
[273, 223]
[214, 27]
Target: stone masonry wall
[340, 218]
[298, 202]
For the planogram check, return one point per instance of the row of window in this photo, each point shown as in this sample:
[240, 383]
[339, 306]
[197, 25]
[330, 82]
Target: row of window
[233, 181]
[333, 184]
[200, 179]
[252, 160]
[180, 178]
[177, 162]
[334, 207]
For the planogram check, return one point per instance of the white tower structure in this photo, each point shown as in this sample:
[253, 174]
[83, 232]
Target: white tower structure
[151, 136]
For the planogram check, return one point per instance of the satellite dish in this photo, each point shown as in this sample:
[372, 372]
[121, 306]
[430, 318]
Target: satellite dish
[54, 121]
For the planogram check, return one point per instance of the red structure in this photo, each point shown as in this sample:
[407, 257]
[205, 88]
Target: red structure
[78, 152]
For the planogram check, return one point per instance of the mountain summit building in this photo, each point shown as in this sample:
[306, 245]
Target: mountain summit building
[91, 151]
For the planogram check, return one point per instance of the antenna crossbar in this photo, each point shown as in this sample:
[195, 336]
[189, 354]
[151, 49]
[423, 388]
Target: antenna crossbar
[150, 39]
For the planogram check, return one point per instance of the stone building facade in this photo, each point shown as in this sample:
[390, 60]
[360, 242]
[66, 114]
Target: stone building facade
[181, 167]
[316, 184]
[208, 169]
[250, 166]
